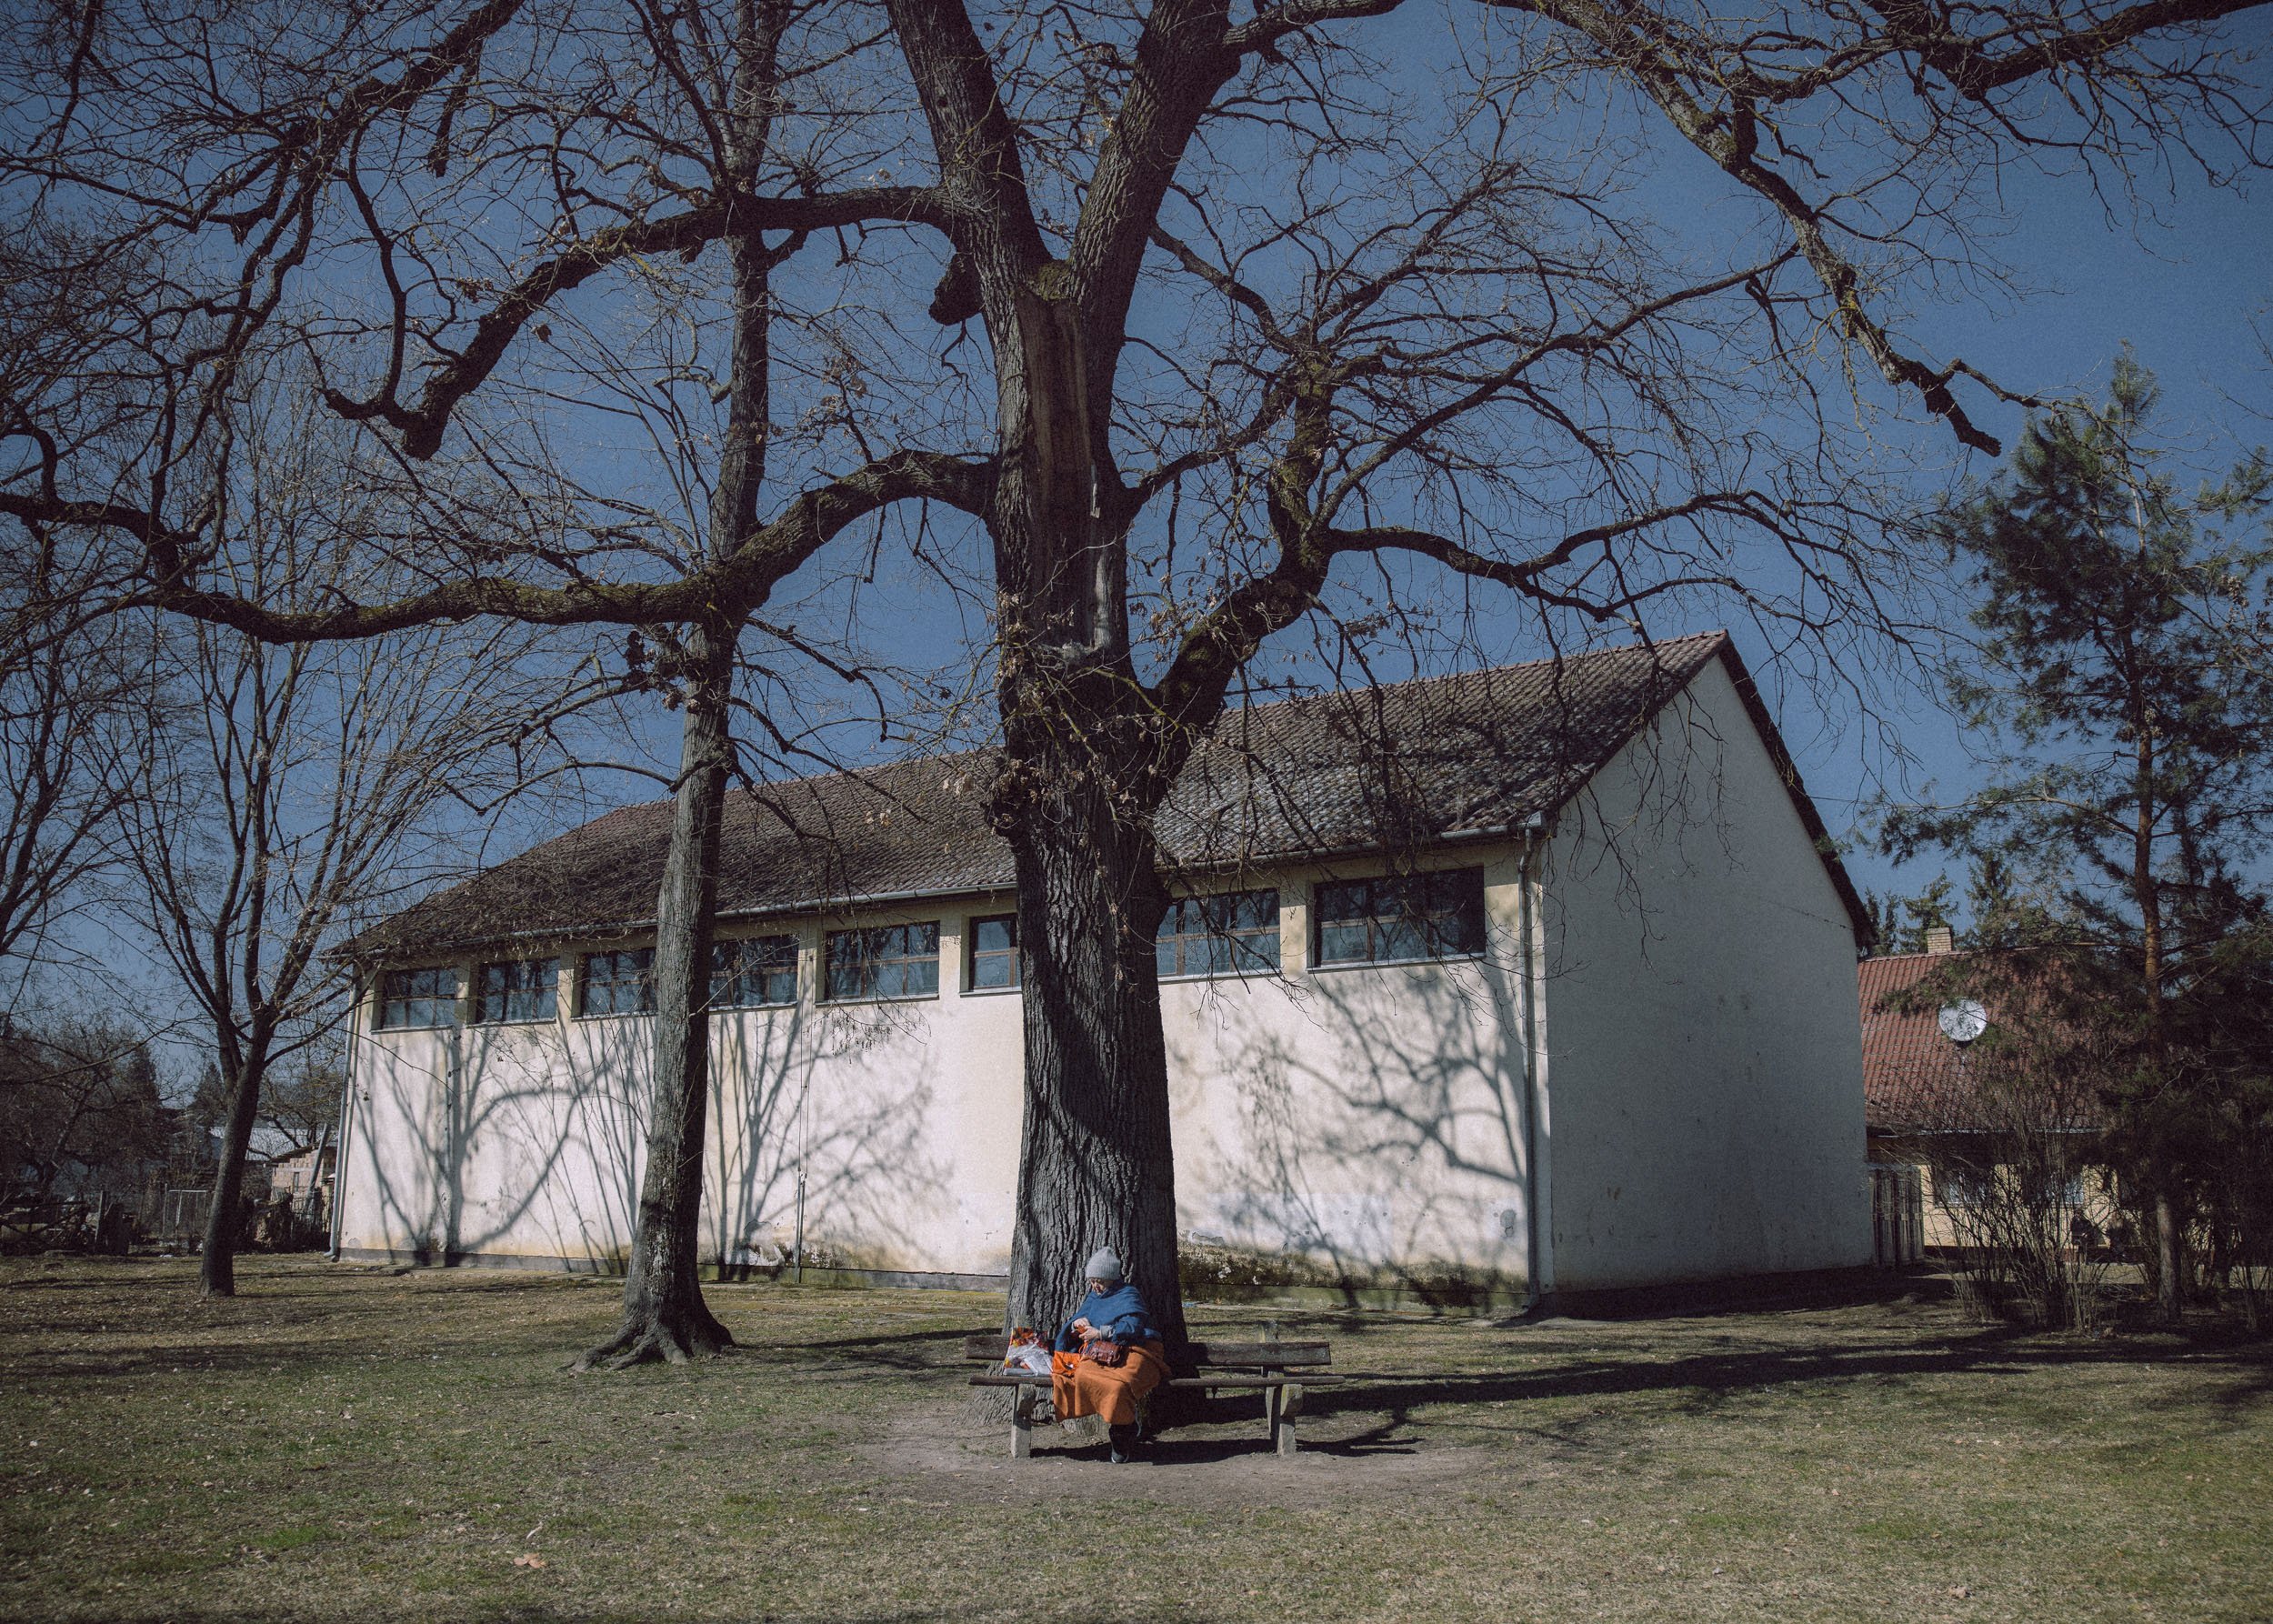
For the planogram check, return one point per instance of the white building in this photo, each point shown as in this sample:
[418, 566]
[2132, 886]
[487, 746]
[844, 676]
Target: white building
[1534, 978]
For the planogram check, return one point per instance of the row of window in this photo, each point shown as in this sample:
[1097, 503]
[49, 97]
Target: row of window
[1369, 921]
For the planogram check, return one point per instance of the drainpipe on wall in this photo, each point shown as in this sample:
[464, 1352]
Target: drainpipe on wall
[1535, 831]
[346, 1117]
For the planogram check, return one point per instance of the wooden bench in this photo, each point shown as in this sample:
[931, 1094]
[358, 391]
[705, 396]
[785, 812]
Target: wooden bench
[1276, 1369]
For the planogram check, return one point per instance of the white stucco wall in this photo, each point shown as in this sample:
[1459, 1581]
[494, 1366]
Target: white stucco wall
[1700, 1065]
[526, 1141]
[1703, 1046]
[1366, 1117]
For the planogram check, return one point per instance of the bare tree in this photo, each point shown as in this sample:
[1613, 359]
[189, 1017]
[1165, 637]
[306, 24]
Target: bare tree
[306, 791]
[78, 1094]
[1281, 318]
[75, 711]
[301, 1103]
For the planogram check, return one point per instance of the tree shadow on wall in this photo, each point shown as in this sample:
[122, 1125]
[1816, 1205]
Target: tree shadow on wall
[828, 1112]
[531, 1140]
[1359, 1157]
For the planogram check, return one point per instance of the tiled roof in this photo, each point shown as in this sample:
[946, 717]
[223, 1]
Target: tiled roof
[1914, 1077]
[1374, 768]
[1915, 1080]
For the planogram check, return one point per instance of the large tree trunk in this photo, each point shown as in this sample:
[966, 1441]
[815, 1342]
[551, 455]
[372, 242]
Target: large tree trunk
[217, 1262]
[1084, 771]
[1096, 1167]
[665, 1316]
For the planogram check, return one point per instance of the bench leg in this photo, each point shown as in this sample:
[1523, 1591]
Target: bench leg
[1022, 1422]
[1289, 1405]
[1274, 1402]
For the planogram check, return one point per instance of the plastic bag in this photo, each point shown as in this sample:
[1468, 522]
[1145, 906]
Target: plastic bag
[1026, 1353]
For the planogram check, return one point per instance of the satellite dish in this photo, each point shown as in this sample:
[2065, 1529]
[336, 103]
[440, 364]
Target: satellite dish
[1963, 1020]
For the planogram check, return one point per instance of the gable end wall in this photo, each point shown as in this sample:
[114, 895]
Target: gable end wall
[1704, 1112]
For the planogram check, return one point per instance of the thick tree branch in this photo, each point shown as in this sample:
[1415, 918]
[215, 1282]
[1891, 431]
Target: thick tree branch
[685, 232]
[740, 581]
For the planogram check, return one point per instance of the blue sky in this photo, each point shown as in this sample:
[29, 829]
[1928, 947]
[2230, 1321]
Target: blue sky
[2184, 289]
[2182, 279]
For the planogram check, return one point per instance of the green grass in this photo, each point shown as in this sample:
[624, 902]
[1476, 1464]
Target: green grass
[356, 1445]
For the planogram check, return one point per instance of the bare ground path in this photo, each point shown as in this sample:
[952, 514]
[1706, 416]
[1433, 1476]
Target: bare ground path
[359, 1445]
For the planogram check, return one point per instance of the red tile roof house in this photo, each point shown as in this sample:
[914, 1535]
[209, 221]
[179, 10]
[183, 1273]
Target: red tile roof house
[1919, 1092]
[1532, 979]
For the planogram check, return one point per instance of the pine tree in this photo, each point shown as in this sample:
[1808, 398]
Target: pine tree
[2122, 669]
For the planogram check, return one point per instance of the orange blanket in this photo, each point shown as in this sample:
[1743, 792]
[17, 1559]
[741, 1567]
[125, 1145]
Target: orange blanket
[1080, 1387]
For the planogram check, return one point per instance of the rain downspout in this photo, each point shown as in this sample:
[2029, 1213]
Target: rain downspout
[1535, 829]
[346, 1117]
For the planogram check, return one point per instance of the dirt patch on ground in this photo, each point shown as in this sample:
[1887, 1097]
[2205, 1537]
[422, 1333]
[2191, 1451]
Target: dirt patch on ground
[945, 1451]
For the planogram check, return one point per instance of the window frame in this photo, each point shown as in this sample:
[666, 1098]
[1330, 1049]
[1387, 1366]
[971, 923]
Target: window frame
[1964, 1187]
[548, 990]
[744, 949]
[1381, 924]
[451, 1003]
[1243, 960]
[973, 955]
[642, 978]
[868, 992]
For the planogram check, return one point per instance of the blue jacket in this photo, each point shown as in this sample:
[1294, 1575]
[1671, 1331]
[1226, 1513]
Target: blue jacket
[1120, 1314]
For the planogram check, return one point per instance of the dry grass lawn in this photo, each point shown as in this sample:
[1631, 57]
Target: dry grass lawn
[342, 1444]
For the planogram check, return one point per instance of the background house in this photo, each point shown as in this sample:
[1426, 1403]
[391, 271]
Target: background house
[1528, 980]
[1955, 1108]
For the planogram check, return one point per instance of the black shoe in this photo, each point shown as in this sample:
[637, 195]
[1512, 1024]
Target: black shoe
[1124, 1441]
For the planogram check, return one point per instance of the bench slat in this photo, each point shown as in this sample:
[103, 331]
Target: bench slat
[1228, 1382]
[1273, 1354]
[1263, 1353]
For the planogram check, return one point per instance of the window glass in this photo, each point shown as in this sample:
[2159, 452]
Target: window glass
[1961, 1185]
[619, 983]
[883, 961]
[418, 998]
[758, 970]
[1401, 917]
[519, 989]
[993, 946]
[1233, 934]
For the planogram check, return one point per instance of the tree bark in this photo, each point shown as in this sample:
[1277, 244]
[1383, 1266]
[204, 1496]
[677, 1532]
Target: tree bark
[1096, 1164]
[664, 1316]
[216, 1260]
[2146, 895]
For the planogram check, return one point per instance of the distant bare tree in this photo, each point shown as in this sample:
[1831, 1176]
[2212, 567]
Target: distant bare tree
[301, 1103]
[302, 794]
[77, 1092]
[76, 714]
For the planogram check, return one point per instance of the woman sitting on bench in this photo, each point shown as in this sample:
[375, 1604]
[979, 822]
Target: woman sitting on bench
[1108, 1354]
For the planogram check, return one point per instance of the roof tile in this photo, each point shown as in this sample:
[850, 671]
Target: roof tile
[1378, 768]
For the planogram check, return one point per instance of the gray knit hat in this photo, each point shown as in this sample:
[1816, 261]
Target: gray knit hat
[1105, 1264]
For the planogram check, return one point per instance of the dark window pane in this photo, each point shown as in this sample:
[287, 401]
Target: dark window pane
[1234, 933]
[994, 950]
[754, 972]
[883, 961]
[519, 989]
[413, 998]
[619, 983]
[1401, 918]
[1345, 942]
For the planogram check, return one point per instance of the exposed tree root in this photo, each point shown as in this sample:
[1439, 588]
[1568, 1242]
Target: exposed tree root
[645, 1340]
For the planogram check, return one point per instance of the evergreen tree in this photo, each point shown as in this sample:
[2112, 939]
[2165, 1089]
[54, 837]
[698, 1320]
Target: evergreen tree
[2122, 673]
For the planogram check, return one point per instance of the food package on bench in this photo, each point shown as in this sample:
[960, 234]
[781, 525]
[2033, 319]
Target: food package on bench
[1026, 1352]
